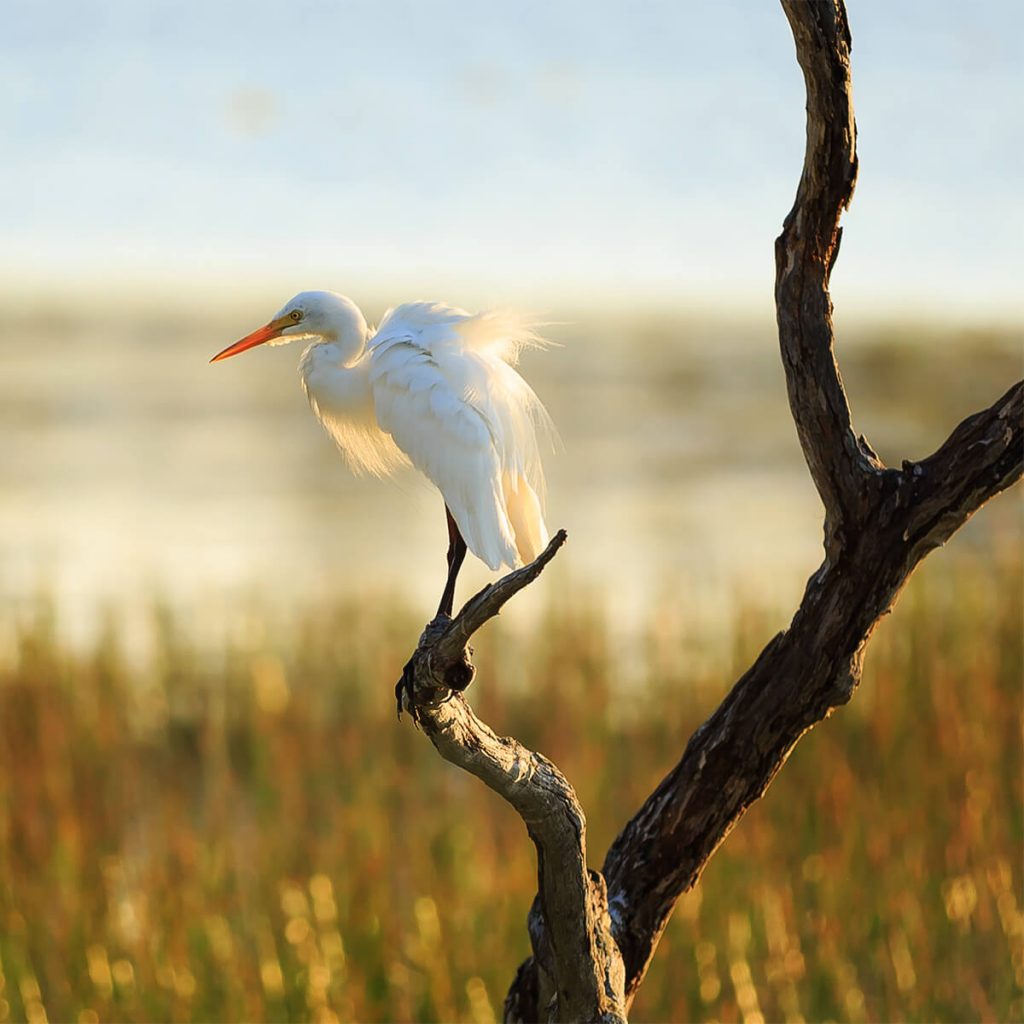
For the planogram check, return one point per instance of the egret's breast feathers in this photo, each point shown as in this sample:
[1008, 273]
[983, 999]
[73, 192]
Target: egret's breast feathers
[342, 401]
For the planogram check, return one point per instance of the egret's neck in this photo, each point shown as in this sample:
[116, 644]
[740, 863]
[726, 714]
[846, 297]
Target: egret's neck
[345, 330]
[337, 387]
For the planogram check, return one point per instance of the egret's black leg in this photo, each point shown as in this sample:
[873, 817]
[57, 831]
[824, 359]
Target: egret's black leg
[456, 556]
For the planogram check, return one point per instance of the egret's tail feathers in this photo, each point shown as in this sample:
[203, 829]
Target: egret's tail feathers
[525, 517]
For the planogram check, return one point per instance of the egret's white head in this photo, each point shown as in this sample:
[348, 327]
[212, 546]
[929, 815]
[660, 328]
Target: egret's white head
[324, 315]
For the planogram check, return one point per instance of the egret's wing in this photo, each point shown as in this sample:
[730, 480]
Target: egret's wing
[463, 416]
[476, 354]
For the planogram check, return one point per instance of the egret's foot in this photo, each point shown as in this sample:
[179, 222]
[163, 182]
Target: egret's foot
[404, 690]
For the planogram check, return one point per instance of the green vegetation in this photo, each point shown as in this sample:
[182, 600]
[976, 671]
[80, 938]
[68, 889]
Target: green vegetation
[250, 836]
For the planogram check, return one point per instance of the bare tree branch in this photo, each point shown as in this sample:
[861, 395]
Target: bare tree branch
[879, 524]
[805, 253]
[593, 936]
[577, 972]
[980, 458]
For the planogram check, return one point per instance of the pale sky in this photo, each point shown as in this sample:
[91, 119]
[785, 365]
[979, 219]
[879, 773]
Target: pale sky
[555, 149]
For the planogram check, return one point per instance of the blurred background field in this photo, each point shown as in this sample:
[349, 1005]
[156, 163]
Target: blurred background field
[207, 811]
[246, 834]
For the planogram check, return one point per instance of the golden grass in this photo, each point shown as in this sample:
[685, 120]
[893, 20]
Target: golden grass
[250, 836]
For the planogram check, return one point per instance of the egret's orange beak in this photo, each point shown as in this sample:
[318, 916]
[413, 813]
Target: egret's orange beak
[258, 337]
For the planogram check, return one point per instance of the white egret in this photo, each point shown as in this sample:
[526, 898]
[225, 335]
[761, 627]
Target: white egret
[434, 386]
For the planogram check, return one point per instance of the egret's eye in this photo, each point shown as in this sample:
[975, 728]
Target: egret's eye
[296, 315]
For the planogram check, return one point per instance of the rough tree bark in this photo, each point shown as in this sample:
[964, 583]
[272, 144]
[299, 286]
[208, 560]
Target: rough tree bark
[593, 934]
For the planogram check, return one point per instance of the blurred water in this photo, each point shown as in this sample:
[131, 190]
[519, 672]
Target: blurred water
[132, 468]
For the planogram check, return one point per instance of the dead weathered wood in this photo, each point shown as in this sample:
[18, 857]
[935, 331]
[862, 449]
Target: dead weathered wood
[801, 676]
[593, 935]
[805, 253]
[879, 524]
[577, 973]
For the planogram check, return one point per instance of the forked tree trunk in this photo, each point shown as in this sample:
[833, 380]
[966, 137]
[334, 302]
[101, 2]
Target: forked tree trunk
[593, 934]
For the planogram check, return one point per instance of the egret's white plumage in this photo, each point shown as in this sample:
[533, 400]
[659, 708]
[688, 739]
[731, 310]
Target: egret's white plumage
[434, 386]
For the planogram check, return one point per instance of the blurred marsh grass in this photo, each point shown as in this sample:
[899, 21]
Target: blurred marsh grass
[251, 837]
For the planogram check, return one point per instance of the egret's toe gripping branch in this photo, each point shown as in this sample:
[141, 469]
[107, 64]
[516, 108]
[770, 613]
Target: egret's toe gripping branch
[441, 665]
